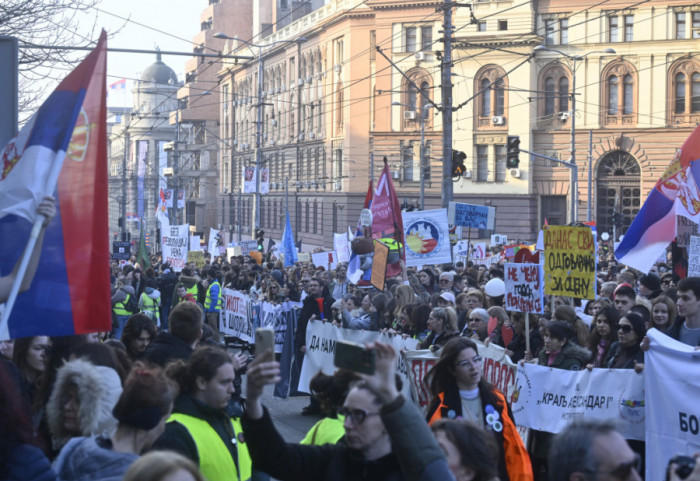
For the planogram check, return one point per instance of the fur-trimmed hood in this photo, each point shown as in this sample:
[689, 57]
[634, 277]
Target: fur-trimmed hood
[99, 389]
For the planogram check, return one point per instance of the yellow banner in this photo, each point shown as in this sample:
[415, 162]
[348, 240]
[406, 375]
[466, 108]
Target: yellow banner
[569, 261]
[197, 257]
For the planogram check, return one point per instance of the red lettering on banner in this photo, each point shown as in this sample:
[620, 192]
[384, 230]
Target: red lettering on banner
[419, 368]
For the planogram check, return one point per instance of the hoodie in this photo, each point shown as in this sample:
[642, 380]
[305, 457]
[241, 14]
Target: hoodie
[99, 388]
[91, 459]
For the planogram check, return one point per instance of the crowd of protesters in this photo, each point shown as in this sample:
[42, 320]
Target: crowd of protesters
[162, 381]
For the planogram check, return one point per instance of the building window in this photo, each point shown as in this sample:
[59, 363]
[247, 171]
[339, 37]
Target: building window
[563, 94]
[564, 31]
[685, 91]
[503, 25]
[550, 98]
[696, 24]
[554, 81]
[492, 87]
[407, 161]
[426, 38]
[482, 163]
[372, 45]
[416, 95]
[613, 27]
[549, 30]
[426, 160]
[481, 26]
[680, 25]
[629, 28]
[410, 39]
[619, 94]
[500, 163]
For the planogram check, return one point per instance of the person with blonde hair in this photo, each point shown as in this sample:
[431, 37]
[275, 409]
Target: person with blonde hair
[442, 323]
[163, 466]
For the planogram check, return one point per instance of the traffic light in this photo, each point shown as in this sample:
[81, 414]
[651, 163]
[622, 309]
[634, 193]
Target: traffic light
[260, 238]
[458, 159]
[513, 150]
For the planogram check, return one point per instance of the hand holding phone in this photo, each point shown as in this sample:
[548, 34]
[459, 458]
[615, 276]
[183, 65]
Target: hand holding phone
[264, 340]
[354, 357]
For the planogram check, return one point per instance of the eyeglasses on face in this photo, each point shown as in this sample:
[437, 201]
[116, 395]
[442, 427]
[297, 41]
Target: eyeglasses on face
[475, 361]
[624, 470]
[626, 328]
[444, 281]
[357, 416]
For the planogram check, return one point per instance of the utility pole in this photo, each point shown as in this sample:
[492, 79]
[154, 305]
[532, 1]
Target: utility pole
[446, 92]
[574, 192]
[258, 148]
[176, 169]
[124, 158]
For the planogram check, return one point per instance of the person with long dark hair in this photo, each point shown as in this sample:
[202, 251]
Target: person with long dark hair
[138, 333]
[603, 334]
[459, 391]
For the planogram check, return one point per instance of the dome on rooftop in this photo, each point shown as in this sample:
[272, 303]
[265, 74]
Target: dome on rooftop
[159, 73]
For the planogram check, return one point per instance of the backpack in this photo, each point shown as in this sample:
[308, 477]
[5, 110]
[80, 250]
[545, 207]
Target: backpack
[132, 305]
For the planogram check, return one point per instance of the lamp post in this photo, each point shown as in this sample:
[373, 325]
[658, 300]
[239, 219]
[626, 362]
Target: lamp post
[421, 170]
[259, 118]
[572, 115]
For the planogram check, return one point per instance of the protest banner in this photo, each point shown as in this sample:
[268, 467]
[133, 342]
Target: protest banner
[570, 261]
[321, 338]
[474, 216]
[379, 260]
[233, 251]
[497, 369]
[216, 242]
[275, 317]
[174, 243]
[524, 288]
[685, 228]
[341, 245]
[694, 256]
[327, 260]
[672, 388]
[248, 246]
[303, 257]
[197, 257]
[427, 237]
[549, 399]
[249, 180]
[236, 319]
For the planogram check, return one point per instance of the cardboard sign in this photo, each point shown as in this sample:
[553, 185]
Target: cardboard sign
[468, 215]
[197, 257]
[381, 254]
[694, 256]
[524, 288]
[570, 261]
[121, 251]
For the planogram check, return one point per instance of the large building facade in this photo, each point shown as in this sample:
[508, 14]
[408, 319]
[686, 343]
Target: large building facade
[615, 88]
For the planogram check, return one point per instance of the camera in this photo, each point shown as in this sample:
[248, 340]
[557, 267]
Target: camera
[684, 466]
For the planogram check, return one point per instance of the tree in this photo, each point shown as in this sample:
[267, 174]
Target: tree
[46, 23]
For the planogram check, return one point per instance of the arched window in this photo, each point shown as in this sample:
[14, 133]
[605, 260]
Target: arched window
[549, 96]
[613, 87]
[424, 96]
[412, 97]
[490, 109]
[485, 97]
[554, 99]
[695, 91]
[619, 95]
[563, 94]
[417, 88]
[679, 107]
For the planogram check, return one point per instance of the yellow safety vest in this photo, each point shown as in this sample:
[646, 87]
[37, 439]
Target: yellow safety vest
[207, 301]
[120, 307]
[194, 290]
[326, 431]
[215, 461]
[151, 305]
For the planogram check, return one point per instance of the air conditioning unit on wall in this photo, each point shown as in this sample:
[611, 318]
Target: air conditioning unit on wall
[419, 55]
[515, 173]
[498, 120]
[409, 115]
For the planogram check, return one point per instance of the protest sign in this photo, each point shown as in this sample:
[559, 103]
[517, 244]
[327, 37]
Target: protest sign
[321, 338]
[672, 388]
[216, 242]
[174, 243]
[303, 257]
[121, 250]
[685, 228]
[327, 260]
[341, 245]
[524, 288]
[381, 254]
[497, 369]
[570, 261]
[549, 399]
[427, 237]
[237, 316]
[274, 316]
[248, 246]
[195, 243]
[233, 251]
[197, 257]
[468, 215]
[694, 256]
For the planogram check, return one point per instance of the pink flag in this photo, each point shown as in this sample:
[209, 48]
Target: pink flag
[386, 216]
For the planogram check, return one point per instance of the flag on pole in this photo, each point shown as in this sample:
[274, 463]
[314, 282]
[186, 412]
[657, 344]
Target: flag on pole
[288, 248]
[118, 85]
[61, 151]
[142, 256]
[162, 211]
[677, 192]
[386, 216]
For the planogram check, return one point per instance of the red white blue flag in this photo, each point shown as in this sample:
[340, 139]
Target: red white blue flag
[62, 151]
[677, 192]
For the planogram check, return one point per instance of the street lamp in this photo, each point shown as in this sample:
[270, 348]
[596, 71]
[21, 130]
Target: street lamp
[572, 160]
[421, 170]
[259, 117]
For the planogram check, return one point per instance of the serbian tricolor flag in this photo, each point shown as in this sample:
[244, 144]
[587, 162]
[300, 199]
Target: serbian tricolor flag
[386, 216]
[62, 151]
[118, 85]
[675, 193]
